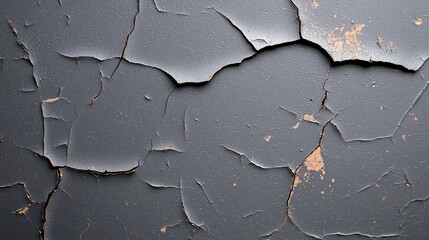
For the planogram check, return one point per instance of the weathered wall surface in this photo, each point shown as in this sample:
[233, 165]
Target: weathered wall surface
[214, 119]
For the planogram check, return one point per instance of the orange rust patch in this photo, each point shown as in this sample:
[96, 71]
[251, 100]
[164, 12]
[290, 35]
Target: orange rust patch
[267, 138]
[347, 43]
[418, 21]
[335, 40]
[314, 3]
[314, 162]
[310, 118]
[352, 38]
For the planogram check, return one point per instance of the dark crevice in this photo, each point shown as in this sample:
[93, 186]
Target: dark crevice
[121, 57]
[355, 61]
[295, 182]
[42, 234]
[99, 92]
[325, 92]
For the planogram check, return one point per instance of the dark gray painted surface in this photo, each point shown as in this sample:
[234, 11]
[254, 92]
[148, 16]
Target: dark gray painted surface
[157, 119]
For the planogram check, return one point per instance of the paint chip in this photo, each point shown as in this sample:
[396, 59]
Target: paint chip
[418, 21]
[296, 125]
[167, 148]
[51, 100]
[314, 162]
[22, 211]
[310, 118]
[314, 3]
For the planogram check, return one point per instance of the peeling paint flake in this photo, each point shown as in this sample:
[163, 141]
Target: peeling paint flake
[262, 24]
[193, 58]
[346, 31]
[310, 118]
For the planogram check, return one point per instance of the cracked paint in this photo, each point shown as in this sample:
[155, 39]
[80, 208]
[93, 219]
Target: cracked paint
[214, 120]
[19, 211]
[261, 24]
[351, 31]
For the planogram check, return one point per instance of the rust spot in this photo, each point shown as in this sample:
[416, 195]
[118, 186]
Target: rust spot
[310, 118]
[314, 162]
[314, 3]
[163, 229]
[348, 43]
[22, 211]
[418, 21]
[335, 40]
[267, 138]
[352, 37]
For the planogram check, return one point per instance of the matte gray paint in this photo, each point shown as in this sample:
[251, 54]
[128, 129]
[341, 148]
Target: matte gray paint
[107, 131]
